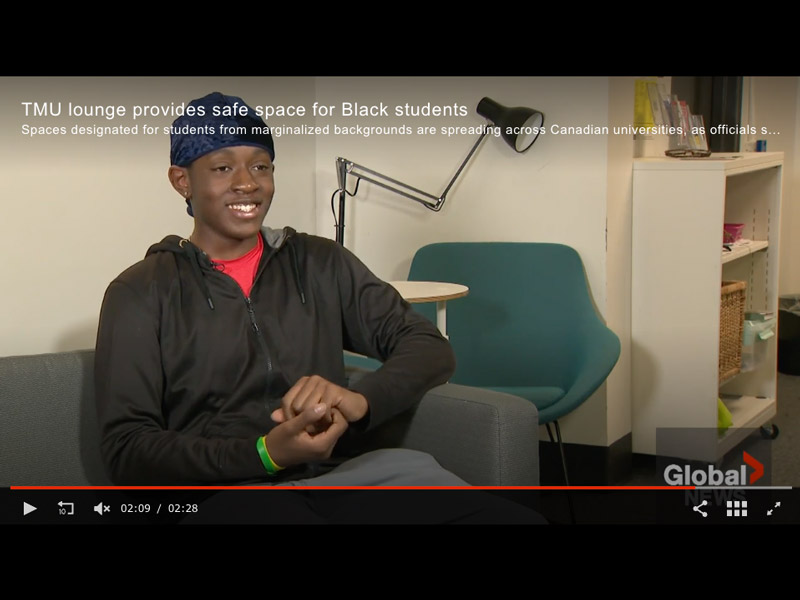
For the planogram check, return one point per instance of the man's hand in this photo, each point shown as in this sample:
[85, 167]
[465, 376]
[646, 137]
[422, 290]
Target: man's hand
[290, 443]
[313, 390]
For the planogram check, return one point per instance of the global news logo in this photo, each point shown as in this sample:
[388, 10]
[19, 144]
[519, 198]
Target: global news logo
[713, 477]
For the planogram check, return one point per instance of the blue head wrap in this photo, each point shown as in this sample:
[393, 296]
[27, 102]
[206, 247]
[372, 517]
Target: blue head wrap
[212, 122]
[239, 129]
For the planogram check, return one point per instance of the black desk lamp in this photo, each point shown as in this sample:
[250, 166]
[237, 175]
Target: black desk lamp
[519, 127]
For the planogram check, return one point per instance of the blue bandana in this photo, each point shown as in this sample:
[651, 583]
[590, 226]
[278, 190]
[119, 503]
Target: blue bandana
[206, 131]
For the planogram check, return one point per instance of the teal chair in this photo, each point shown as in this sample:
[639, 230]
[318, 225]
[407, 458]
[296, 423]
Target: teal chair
[528, 326]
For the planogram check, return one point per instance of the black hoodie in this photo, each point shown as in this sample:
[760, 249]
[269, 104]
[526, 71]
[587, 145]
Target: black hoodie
[188, 369]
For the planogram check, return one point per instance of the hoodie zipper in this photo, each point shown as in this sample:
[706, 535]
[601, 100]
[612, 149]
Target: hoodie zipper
[252, 313]
[261, 340]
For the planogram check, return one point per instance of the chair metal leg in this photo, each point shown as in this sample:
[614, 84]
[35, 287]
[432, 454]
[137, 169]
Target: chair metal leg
[549, 432]
[564, 466]
[561, 449]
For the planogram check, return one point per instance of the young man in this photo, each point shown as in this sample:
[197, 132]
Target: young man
[219, 356]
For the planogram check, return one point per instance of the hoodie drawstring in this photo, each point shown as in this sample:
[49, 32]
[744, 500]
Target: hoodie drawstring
[191, 251]
[298, 283]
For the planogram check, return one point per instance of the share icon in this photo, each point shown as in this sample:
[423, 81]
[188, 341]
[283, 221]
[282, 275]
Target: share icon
[697, 508]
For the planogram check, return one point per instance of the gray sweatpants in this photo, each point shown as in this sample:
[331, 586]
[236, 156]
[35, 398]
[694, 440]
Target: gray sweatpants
[386, 467]
[380, 468]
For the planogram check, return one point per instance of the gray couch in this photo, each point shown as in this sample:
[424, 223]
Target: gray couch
[48, 427]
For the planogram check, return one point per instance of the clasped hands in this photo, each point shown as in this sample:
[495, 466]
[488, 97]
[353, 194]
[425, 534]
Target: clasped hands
[314, 414]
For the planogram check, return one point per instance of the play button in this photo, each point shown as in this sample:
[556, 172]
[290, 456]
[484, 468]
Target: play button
[27, 508]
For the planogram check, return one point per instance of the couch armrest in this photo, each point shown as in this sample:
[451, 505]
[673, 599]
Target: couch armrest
[484, 437]
[48, 424]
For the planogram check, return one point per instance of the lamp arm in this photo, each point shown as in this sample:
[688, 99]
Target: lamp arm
[429, 201]
[464, 164]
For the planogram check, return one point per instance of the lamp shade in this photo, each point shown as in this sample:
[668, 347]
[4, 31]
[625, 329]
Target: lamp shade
[519, 126]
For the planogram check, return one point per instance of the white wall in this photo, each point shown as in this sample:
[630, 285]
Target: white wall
[77, 210]
[618, 415]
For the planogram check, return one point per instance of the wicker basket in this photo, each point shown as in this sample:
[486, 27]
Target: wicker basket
[731, 326]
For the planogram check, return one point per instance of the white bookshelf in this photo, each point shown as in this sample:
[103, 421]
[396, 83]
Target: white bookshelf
[679, 208]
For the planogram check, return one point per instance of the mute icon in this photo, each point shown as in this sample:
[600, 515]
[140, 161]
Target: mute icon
[100, 508]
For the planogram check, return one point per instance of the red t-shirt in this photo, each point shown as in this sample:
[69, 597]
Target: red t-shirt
[243, 269]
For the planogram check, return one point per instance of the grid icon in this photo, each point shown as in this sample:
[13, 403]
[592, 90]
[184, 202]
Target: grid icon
[736, 508]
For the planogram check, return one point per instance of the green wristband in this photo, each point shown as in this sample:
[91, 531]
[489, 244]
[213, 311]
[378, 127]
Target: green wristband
[270, 465]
